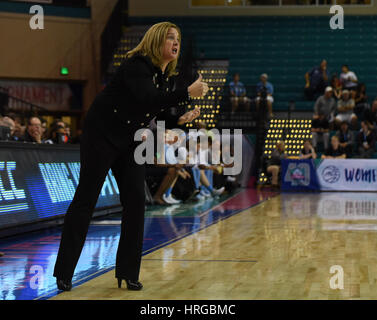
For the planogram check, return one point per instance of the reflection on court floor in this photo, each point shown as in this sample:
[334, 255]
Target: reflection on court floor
[254, 245]
[26, 269]
[336, 210]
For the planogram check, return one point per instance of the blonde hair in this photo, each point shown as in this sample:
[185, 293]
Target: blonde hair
[152, 44]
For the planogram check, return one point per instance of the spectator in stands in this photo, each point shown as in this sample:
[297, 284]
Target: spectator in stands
[325, 105]
[57, 133]
[366, 140]
[320, 131]
[19, 129]
[178, 162]
[1, 254]
[184, 188]
[316, 81]
[238, 94]
[346, 139]
[324, 110]
[59, 122]
[33, 131]
[273, 164]
[308, 151]
[346, 106]
[265, 91]
[9, 122]
[336, 87]
[371, 114]
[168, 171]
[203, 182]
[348, 78]
[361, 100]
[335, 151]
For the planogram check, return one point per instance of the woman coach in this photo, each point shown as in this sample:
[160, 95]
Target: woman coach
[141, 89]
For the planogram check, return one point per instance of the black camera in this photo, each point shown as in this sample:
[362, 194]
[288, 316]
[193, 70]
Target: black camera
[263, 93]
[5, 133]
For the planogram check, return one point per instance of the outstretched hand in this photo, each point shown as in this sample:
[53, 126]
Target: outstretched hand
[189, 116]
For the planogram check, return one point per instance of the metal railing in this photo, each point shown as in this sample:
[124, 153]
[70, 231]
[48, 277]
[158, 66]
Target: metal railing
[19, 106]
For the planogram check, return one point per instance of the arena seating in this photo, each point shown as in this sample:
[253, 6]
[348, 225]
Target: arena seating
[285, 48]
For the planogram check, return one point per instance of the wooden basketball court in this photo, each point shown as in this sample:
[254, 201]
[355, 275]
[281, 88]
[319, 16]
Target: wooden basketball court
[282, 248]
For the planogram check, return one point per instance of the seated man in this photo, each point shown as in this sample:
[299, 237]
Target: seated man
[366, 141]
[178, 161]
[345, 110]
[34, 131]
[203, 182]
[320, 130]
[371, 114]
[238, 94]
[308, 151]
[316, 81]
[345, 138]
[361, 100]
[9, 123]
[335, 151]
[19, 128]
[348, 78]
[165, 174]
[265, 90]
[273, 164]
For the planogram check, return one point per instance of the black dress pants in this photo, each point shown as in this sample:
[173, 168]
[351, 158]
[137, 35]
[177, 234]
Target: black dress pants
[97, 156]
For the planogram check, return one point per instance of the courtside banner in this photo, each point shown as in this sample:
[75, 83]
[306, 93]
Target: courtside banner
[298, 175]
[347, 175]
[38, 182]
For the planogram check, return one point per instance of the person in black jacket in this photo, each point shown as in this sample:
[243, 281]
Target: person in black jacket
[142, 89]
[366, 141]
[34, 131]
[274, 163]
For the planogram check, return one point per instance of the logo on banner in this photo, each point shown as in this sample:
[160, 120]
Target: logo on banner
[331, 174]
[298, 174]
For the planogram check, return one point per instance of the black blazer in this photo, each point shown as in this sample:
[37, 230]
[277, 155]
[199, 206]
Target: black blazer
[138, 93]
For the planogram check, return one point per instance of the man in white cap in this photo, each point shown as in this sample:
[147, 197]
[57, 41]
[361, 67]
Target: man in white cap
[346, 106]
[325, 105]
[265, 90]
[324, 109]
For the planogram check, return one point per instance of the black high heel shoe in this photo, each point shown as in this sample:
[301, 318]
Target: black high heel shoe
[64, 285]
[131, 285]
